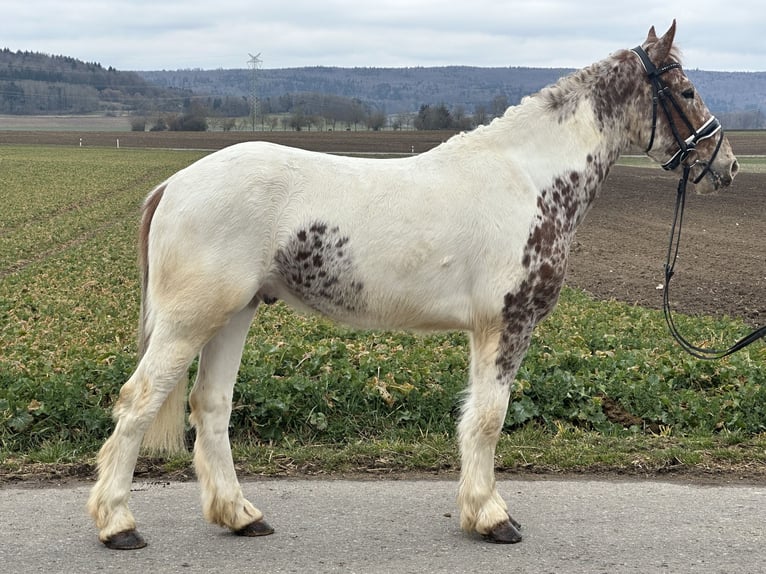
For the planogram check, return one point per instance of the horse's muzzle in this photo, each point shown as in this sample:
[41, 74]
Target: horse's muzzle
[719, 175]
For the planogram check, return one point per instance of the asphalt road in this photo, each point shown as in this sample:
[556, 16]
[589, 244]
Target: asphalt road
[402, 526]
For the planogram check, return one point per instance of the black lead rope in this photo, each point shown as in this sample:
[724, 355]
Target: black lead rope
[675, 242]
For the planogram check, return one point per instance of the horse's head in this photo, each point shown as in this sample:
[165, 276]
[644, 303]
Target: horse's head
[677, 129]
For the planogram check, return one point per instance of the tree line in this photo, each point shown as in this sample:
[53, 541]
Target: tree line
[318, 112]
[35, 83]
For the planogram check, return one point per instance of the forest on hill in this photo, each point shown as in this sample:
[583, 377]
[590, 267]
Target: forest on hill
[739, 98]
[35, 83]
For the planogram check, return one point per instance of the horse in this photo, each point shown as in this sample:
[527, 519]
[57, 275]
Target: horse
[472, 235]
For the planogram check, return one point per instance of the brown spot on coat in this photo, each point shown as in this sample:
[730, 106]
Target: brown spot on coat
[560, 207]
[315, 269]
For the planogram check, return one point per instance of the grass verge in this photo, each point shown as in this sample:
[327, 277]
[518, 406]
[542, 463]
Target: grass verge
[529, 451]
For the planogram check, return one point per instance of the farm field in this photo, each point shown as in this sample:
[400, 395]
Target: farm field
[363, 142]
[602, 373]
[100, 130]
[621, 247]
[83, 123]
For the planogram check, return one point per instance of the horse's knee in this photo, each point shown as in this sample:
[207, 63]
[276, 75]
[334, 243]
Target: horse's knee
[144, 393]
[209, 411]
[132, 395]
[208, 397]
[486, 423]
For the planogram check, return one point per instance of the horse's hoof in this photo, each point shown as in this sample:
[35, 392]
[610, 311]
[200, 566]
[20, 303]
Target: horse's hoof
[257, 528]
[504, 533]
[126, 540]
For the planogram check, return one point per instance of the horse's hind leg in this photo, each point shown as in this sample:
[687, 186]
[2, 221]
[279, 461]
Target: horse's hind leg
[222, 499]
[165, 361]
[481, 507]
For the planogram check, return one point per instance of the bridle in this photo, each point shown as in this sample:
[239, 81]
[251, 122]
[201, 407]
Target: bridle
[664, 97]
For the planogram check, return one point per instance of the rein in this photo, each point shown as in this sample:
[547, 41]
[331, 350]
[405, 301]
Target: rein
[662, 96]
[673, 247]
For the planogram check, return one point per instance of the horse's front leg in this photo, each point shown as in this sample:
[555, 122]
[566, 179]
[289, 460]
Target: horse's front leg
[495, 358]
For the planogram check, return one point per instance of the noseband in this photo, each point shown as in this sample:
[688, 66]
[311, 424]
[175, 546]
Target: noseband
[664, 97]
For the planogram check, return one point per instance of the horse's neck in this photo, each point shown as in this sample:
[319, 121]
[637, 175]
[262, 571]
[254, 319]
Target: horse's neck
[570, 158]
[569, 135]
[564, 139]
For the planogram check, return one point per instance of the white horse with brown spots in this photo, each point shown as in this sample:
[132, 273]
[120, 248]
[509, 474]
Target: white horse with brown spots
[473, 235]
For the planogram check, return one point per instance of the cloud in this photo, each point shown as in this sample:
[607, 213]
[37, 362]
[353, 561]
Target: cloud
[169, 34]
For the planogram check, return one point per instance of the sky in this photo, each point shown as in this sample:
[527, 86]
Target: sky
[212, 34]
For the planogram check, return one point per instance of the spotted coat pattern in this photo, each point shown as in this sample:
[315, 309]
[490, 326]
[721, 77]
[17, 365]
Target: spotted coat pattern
[609, 86]
[560, 208]
[317, 266]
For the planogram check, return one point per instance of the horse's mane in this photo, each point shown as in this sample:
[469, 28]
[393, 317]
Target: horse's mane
[562, 96]
[567, 92]
[578, 84]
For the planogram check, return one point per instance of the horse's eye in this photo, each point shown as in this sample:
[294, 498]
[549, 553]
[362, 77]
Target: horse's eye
[688, 93]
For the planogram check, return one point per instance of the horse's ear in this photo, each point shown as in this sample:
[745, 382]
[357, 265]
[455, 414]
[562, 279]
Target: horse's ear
[662, 47]
[652, 35]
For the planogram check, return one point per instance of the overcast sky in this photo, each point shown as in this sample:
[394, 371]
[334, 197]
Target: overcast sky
[173, 34]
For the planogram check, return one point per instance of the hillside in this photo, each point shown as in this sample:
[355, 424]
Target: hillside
[391, 89]
[35, 83]
[406, 89]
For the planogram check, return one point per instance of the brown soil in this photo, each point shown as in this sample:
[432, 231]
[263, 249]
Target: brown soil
[621, 247]
[385, 142]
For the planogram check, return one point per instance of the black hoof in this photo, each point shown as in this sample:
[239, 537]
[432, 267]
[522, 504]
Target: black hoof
[257, 528]
[127, 540]
[504, 533]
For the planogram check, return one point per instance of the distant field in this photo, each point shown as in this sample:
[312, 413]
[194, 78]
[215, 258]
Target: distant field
[85, 123]
[85, 130]
[748, 163]
[357, 142]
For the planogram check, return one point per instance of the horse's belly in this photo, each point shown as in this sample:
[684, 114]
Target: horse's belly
[354, 303]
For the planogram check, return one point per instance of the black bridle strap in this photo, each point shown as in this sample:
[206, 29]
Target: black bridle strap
[673, 247]
[708, 164]
[707, 130]
[654, 73]
[664, 97]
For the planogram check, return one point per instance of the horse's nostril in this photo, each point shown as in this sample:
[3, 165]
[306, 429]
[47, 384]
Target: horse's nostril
[734, 168]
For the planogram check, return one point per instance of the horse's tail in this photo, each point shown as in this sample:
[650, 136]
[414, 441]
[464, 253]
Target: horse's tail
[166, 433]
